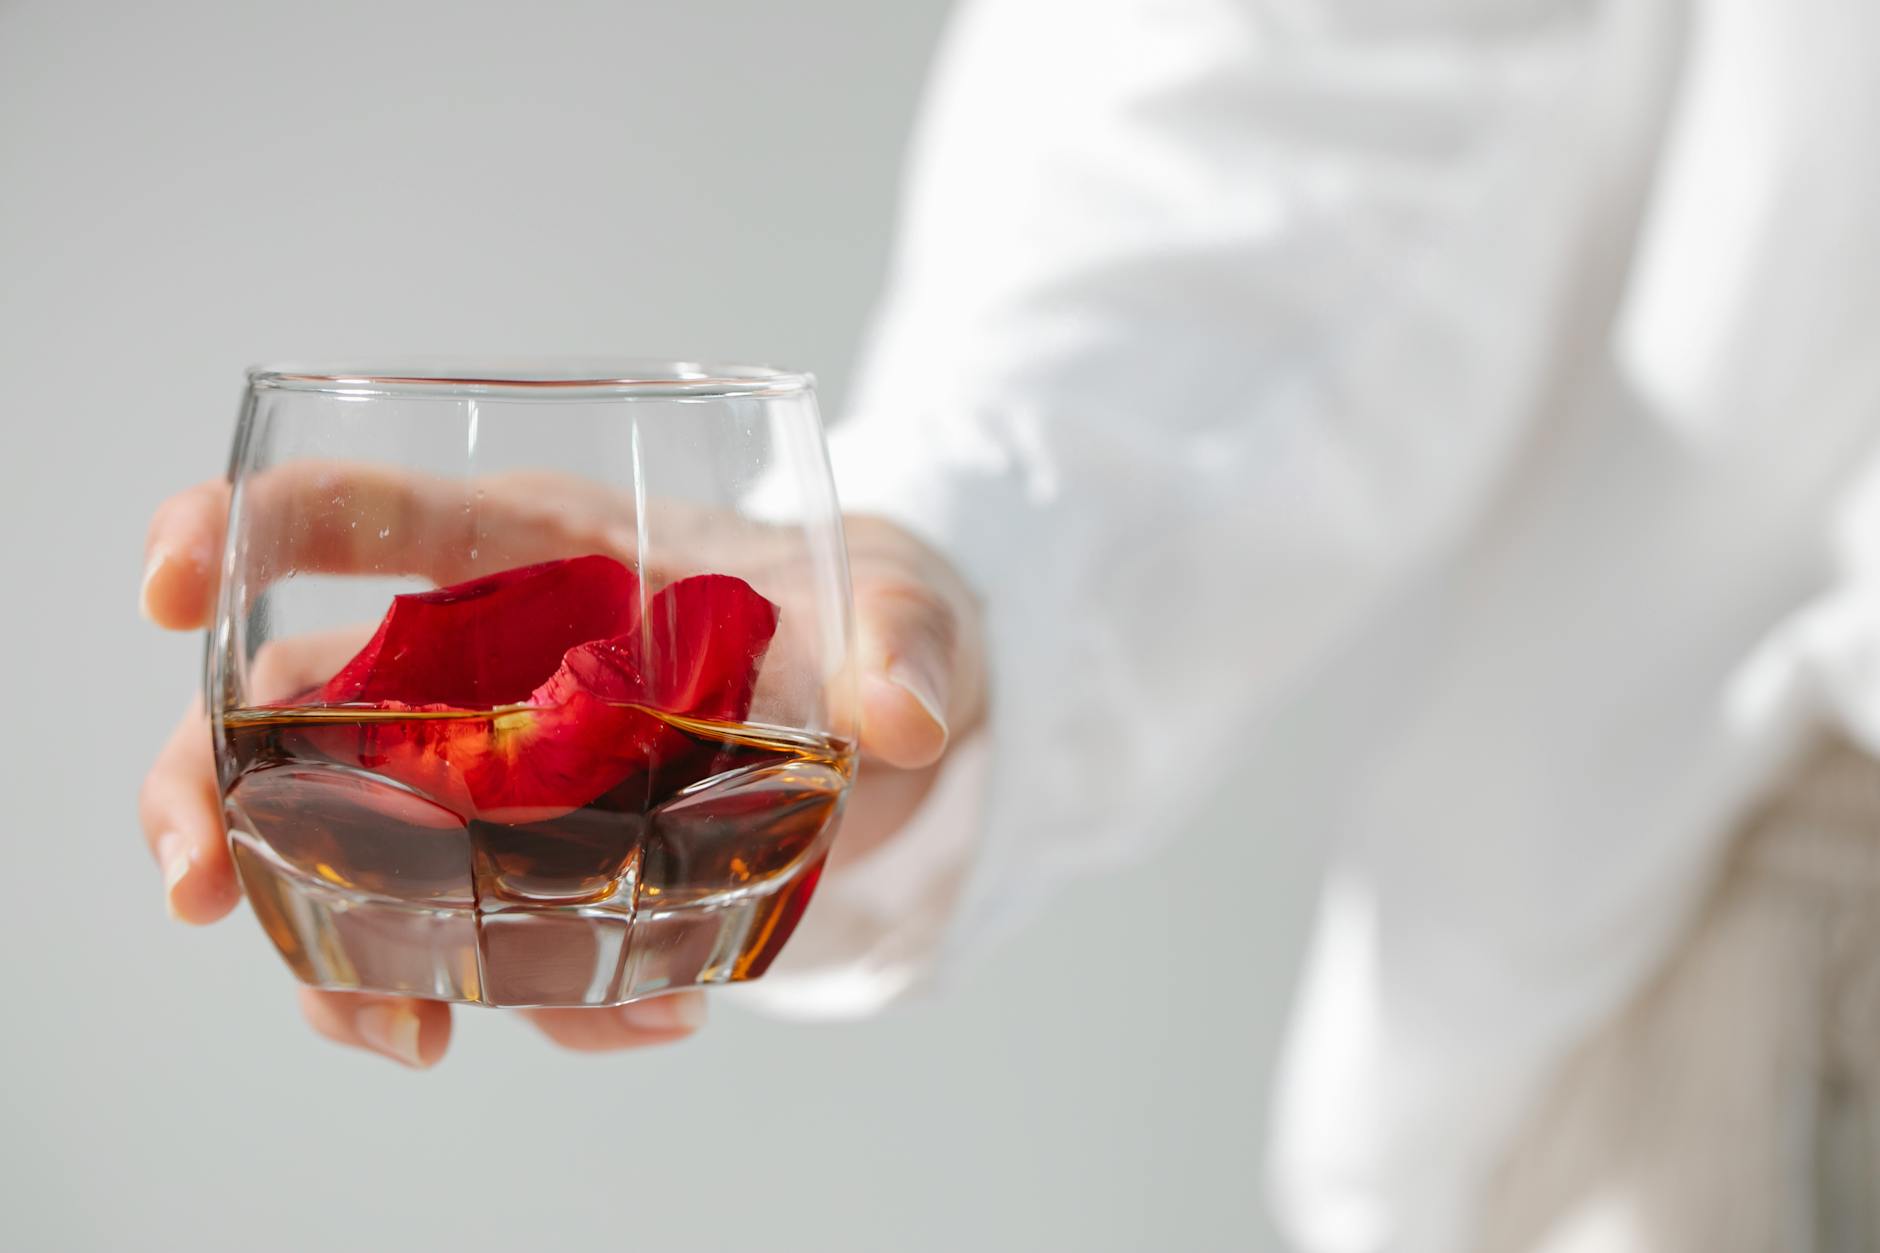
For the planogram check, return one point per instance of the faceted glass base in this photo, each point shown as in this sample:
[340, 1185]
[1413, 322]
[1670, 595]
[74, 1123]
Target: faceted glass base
[340, 937]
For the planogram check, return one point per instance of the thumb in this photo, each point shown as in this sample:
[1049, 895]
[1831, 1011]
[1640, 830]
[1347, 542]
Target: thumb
[180, 557]
[909, 650]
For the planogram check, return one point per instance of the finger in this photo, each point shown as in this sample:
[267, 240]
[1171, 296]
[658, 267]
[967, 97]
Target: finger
[180, 555]
[181, 812]
[335, 517]
[407, 1030]
[918, 645]
[907, 641]
[658, 1020]
[286, 667]
[357, 518]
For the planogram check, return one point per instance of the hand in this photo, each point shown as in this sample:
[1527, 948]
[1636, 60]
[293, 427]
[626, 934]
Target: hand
[922, 687]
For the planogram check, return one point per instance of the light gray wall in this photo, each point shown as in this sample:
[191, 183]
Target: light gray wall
[189, 187]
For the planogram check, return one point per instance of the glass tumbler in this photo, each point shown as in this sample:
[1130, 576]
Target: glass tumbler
[531, 684]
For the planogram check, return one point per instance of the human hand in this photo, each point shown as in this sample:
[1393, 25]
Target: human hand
[922, 687]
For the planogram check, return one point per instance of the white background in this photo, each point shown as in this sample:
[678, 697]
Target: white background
[187, 188]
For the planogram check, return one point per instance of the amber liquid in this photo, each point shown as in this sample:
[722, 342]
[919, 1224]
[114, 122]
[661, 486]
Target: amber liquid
[694, 872]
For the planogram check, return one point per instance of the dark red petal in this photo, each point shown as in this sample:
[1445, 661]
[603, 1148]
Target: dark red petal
[585, 731]
[490, 641]
[608, 669]
[702, 642]
[530, 763]
[519, 764]
[582, 734]
[401, 749]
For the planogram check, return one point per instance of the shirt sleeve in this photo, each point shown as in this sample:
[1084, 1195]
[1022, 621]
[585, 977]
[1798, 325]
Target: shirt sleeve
[1210, 322]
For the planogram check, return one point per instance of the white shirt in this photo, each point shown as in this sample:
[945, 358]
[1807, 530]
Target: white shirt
[1489, 385]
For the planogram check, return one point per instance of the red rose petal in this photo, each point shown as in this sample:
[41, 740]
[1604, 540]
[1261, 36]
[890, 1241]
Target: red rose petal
[528, 763]
[697, 653]
[579, 735]
[703, 639]
[490, 641]
[584, 730]
[608, 669]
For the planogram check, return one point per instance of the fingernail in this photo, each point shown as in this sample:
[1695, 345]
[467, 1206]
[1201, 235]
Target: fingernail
[175, 859]
[391, 1028]
[151, 566]
[684, 1011]
[918, 683]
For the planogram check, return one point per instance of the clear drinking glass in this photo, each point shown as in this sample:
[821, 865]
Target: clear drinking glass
[531, 685]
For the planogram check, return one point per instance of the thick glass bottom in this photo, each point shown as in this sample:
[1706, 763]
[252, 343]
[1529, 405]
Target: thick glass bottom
[598, 953]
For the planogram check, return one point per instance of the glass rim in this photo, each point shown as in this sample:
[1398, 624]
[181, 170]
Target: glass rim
[533, 378]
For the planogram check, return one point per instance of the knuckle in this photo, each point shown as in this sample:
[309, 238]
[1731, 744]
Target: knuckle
[909, 613]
